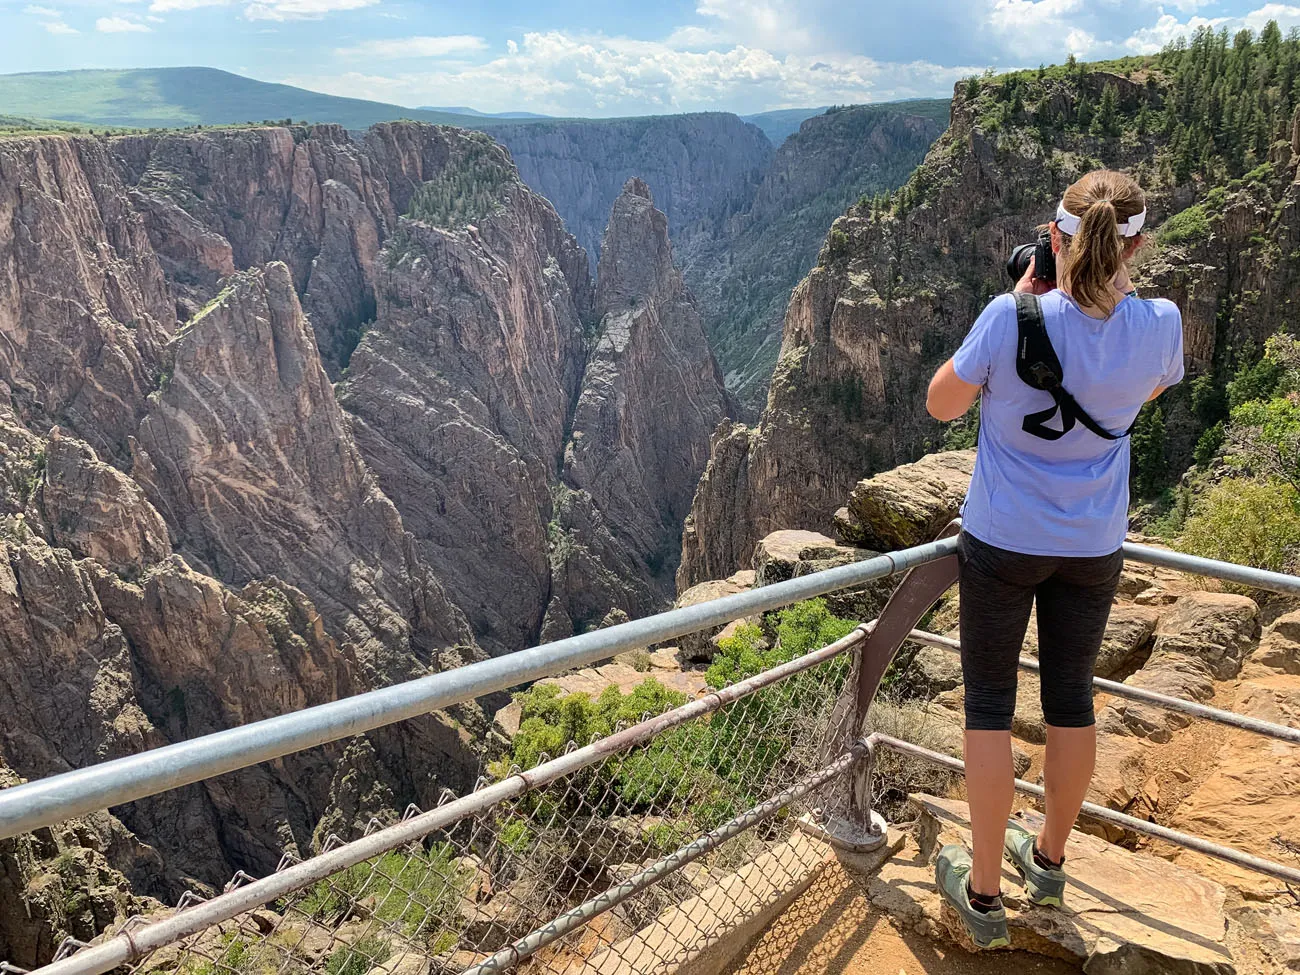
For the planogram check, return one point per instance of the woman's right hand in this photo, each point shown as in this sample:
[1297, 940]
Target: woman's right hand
[1028, 284]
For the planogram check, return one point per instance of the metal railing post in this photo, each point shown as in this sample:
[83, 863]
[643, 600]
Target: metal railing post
[863, 828]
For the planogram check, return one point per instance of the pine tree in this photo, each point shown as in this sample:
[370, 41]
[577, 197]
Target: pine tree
[1107, 120]
[1148, 445]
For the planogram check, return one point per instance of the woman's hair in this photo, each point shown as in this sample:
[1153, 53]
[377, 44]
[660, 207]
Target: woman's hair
[1093, 256]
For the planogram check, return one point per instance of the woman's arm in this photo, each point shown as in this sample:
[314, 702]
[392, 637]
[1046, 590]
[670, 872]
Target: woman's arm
[950, 396]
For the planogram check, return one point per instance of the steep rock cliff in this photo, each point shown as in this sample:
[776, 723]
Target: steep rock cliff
[246, 451]
[650, 396]
[742, 272]
[462, 389]
[494, 408]
[84, 308]
[701, 167]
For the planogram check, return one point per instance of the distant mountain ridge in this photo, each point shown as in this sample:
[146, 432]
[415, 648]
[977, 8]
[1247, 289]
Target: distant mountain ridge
[465, 110]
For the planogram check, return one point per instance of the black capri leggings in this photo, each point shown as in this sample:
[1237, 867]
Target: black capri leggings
[998, 589]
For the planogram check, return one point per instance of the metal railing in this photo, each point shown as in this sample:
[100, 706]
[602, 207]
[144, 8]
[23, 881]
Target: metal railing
[605, 838]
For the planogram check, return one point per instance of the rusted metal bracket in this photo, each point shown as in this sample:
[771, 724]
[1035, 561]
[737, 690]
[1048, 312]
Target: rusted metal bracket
[863, 828]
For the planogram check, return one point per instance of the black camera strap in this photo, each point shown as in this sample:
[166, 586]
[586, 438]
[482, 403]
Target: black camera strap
[1038, 366]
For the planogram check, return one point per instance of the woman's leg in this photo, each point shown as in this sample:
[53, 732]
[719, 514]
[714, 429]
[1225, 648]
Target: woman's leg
[1073, 609]
[990, 787]
[997, 593]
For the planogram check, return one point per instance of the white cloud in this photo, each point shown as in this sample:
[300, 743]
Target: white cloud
[59, 27]
[1150, 40]
[36, 11]
[301, 9]
[562, 73]
[1286, 16]
[120, 25]
[416, 47]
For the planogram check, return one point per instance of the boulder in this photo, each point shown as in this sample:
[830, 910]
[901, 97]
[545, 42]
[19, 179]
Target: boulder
[1173, 674]
[1126, 913]
[931, 672]
[907, 505]
[1217, 628]
[792, 554]
[1128, 636]
[699, 647]
[942, 725]
[1279, 650]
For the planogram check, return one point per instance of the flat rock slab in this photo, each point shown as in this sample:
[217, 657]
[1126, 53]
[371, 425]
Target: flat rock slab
[1126, 913]
[1252, 800]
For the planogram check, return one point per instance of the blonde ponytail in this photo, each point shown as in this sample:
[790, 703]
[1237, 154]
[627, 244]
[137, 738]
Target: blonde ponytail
[1095, 254]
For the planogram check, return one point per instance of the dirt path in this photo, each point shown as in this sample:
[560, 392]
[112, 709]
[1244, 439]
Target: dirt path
[832, 929]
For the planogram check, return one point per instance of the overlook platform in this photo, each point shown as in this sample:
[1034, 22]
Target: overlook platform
[741, 830]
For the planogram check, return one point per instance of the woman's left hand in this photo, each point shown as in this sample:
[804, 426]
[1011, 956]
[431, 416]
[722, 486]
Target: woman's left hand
[1029, 284]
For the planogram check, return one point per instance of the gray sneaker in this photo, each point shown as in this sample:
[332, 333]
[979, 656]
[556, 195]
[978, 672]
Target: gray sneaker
[951, 870]
[1044, 887]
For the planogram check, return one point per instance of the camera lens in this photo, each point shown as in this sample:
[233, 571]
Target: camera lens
[1018, 262]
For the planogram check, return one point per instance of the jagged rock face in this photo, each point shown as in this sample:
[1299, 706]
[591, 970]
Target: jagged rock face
[480, 406]
[743, 270]
[84, 308]
[890, 299]
[702, 167]
[97, 512]
[309, 197]
[56, 883]
[248, 453]
[463, 388]
[651, 392]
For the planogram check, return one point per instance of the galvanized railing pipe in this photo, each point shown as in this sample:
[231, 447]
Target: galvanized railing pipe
[139, 942]
[1248, 861]
[607, 900]
[47, 802]
[1243, 575]
[1245, 722]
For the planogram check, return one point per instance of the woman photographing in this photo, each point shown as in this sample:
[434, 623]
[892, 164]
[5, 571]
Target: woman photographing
[1044, 520]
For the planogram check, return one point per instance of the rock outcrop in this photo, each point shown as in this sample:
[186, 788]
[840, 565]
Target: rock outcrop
[249, 455]
[650, 396]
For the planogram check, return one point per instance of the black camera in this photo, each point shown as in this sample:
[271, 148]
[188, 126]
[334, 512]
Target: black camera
[1044, 260]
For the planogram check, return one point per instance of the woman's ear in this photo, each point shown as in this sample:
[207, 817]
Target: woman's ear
[1134, 244]
[1056, 238]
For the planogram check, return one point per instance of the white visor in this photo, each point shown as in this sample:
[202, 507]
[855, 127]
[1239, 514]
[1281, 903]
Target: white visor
[1069, 224]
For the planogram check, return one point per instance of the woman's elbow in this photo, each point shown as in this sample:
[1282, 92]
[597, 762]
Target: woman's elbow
[940, 406]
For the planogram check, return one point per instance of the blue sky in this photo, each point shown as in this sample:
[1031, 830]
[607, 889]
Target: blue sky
[604, 58]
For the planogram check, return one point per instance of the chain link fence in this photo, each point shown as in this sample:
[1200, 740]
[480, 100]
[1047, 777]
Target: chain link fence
[456, 896]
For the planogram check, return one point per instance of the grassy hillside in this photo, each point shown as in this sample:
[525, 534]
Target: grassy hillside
[178, 97]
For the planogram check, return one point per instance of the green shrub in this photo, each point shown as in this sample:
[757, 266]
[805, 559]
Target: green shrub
[407, 887]
[1208, 445]
[1191, 224]
[1249, 522]
[358, 958]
